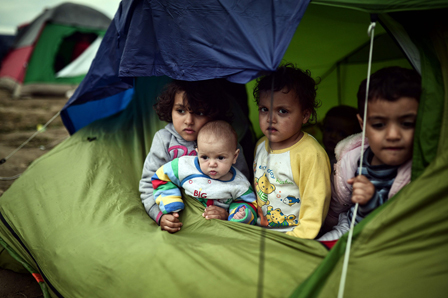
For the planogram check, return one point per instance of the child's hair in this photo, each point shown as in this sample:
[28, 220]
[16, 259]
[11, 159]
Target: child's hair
[221, 130]
[344, 112]
[292, 78]
[201, 96]
[390, 83]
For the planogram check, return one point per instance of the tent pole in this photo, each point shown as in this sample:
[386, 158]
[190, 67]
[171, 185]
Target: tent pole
[338, 68]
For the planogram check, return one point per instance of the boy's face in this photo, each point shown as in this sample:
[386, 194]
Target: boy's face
[284, 129]
[390, 129]
[216, 157]
[185, 122]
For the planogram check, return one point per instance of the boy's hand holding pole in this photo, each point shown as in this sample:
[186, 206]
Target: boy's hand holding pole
[363, 189]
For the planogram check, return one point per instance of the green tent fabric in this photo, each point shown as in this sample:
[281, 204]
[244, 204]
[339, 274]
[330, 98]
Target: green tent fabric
[91, 236]
[85, 236]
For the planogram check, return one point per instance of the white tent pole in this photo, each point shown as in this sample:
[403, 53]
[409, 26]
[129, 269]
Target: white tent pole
[371, 33]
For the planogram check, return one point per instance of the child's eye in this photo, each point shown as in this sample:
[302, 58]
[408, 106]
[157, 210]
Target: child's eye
[199, 113]
[283, 111]
[180, 111]
[262, 109]
[408, 124]
[378, 125]
[204, 157]
[221, 157]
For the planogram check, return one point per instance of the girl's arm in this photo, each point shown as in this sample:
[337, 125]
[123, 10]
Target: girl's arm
[313, 180]
[156, 158]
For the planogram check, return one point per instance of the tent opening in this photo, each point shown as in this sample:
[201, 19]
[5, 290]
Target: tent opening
[71, 47]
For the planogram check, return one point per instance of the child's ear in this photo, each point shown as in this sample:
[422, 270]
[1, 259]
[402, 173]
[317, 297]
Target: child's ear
[237, 152]
[196, 150]
[306, 116]
[360, 120]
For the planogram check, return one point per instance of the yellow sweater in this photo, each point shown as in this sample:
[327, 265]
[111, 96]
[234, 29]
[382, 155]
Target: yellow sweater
[293, 190]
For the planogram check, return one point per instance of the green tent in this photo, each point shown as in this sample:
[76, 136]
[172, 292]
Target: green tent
[52, 42]
[75, 219]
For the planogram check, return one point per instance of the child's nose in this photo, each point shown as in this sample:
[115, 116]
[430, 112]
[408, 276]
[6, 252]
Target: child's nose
[189, 118]
[393, 132]
[271, 118]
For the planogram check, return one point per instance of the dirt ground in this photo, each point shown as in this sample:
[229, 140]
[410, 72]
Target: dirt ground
[19, 120]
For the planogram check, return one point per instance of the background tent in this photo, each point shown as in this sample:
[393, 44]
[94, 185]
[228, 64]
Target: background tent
[52, 41]
[6, 41]
[76, 218]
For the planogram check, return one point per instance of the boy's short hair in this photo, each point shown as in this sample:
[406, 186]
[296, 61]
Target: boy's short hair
[221, 130]
[202, 96]
[292, 78]
[390, 83]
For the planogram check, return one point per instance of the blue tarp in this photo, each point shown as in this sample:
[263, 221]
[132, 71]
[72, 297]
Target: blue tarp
[186, 40]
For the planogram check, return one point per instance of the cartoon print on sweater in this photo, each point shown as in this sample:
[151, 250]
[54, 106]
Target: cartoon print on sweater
[276, 218]
[263, 187]
[290, 200]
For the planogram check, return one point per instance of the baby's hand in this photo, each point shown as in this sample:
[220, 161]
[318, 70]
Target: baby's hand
[215, 212]
[170, 222]
[363, 189]
[241, 213]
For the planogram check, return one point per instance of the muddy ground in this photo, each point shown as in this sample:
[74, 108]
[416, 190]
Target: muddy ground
[19, 120]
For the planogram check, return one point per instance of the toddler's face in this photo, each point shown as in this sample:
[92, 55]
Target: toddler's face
[285, 127]
[186, 122]
[390, 129]
[216, 157]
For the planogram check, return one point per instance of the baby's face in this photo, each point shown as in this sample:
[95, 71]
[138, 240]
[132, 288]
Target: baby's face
[390, 129]
[216, 157]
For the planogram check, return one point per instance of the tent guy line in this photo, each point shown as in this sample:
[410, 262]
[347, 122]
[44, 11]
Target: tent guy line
[42, 129]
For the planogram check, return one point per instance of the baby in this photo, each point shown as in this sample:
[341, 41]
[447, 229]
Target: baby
[209, 177]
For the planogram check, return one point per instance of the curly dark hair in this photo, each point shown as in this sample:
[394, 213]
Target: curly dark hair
[205, 96]
[290, 77]
[390, 83]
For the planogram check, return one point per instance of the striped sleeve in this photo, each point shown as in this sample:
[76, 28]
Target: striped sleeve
[166, 184]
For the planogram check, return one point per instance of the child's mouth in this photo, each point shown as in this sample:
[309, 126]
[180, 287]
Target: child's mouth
[189, 131]
[394, 148]
[213, 173]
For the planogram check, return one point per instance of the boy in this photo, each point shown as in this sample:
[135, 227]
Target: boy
[209, 176]
[391, 114]
[292, 170]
